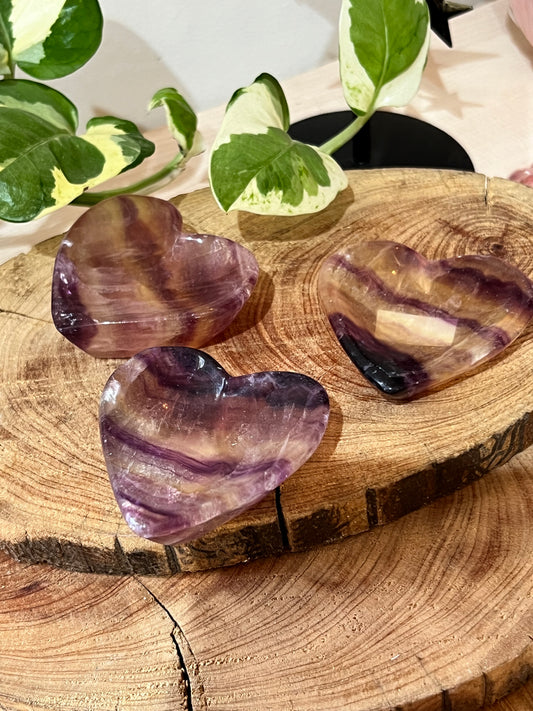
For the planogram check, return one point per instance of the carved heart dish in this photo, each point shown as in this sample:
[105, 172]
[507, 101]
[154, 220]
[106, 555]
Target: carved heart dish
[127, 278]
[409, 324]
[187, 446]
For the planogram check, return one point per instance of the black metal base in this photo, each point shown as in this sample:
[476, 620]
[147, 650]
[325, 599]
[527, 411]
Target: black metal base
[388, 140]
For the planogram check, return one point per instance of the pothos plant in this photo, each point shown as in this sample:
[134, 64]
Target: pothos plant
[254, 164]
[44, 164]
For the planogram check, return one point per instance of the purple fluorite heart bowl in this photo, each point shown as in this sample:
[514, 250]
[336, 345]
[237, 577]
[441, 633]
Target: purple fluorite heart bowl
[188, 447]
[410, 324]
[127, 278]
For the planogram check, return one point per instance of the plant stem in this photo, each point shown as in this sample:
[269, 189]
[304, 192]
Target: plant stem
[336, 142]
[91, 198]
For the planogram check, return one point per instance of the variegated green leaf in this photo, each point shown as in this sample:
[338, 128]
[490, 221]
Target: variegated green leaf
[43, 164]
[40, 100]
[256, 166]
[48, 38]
[181, 119]
[121, 143]
[383, 47]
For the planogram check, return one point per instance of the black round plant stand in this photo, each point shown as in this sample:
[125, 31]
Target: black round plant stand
[387, 140]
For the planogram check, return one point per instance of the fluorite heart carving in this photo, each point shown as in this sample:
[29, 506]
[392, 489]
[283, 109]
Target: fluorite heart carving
[188, 447]
[127, 278]
[409, 324]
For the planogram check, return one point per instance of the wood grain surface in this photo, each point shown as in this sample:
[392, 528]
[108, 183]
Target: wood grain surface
[433, 612]
[378, 460]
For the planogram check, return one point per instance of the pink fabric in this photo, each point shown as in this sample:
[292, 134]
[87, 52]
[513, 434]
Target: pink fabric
[522, 14]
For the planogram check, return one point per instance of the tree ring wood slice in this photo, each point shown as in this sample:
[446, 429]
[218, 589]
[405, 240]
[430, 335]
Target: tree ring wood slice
[431, 613]
[378, 460]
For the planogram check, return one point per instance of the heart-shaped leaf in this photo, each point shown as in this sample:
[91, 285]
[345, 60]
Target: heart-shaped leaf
[48, 39]
[256, 166]
[181, 120]
[121, 144]
[188, 447]
[43, 164]
[383, 46]
[410, 324]
[127, 278]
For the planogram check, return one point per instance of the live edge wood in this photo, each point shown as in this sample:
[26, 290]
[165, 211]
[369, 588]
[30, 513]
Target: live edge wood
[378, 461]
[433, 612]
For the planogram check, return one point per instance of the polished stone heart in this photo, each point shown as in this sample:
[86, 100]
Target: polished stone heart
[409, 324]
[127, 278]
[187, 447]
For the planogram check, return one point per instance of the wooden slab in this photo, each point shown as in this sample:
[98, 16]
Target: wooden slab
[378, 460]
[431, 613]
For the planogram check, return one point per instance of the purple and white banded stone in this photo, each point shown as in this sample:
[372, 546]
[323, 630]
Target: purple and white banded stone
[188, 447]
[410, 324]
[127, 278]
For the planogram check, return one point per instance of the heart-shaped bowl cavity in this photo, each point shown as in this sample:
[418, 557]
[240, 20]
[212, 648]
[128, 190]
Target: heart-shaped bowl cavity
[410, 324]
[188, 447]
[127, 278]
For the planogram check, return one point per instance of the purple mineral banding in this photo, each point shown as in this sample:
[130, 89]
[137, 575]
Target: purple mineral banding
[188, 447]
[127, 278]
[410, 324]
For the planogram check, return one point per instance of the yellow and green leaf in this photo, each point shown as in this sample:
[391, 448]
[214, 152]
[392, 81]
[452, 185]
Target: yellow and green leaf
[43, 163]
[383, 46]
[48, 39]
[256, 166]
[181, 120]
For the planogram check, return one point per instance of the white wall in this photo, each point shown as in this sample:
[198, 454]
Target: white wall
[204, 48]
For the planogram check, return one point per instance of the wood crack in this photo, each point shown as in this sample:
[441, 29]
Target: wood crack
[282, 523]
[192, 686]
[486, 192]
[434, 681]
[485, 678]
[20, 315]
